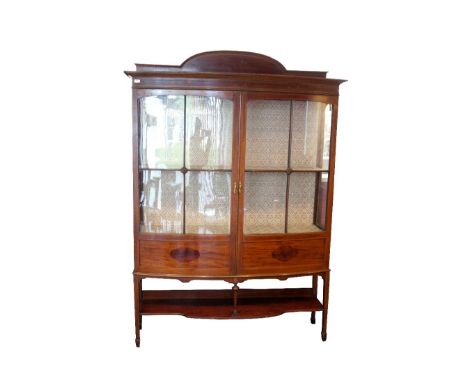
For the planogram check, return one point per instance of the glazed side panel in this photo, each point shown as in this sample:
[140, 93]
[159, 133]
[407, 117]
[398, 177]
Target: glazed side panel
[136, 191]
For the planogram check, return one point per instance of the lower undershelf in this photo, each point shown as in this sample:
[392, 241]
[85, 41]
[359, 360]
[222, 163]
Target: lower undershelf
[251, 303]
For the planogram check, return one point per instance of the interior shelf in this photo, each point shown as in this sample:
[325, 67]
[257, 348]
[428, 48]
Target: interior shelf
[286, 170]
[251, 303]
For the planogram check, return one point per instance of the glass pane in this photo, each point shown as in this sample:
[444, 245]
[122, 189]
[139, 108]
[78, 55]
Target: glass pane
[209, 133]
[321, 216]
[267, 135]
[208, 202]
[162, 131]
[161, 201]
[302, 188]
[265, 202]
[311, 128]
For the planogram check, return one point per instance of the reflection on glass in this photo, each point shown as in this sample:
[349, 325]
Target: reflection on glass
[208, 202]
[161, 201]
[267, 134]
[321, 214]
[209, 133]
[162, 131]
[264, 202]
[302, 188]
[310, 129]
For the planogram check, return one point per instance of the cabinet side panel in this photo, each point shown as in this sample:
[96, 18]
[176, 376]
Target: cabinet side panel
[331, 178]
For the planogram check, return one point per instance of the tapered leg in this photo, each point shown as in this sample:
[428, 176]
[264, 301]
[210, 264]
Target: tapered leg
[141, 298]
[235, 290]
[326, 284]
[137, 294]
[314, 294]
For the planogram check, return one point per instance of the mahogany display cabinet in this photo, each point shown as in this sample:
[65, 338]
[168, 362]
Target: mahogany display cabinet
[233, 166]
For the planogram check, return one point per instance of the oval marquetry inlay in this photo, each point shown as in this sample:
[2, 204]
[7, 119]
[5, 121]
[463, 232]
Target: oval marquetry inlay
[185, 254]
[284, 253]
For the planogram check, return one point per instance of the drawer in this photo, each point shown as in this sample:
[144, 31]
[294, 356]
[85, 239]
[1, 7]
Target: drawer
[188, 258]
[285, 257]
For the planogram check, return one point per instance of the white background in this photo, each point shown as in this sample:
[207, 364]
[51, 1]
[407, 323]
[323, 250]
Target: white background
[398, 302]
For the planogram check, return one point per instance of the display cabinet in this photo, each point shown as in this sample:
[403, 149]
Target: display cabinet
[233, 166]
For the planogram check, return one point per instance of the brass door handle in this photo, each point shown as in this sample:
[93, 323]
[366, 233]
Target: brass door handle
[237, 188]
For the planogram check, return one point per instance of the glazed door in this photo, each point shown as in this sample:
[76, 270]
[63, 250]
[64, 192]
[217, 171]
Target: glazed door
[188, 164]
[284, 173]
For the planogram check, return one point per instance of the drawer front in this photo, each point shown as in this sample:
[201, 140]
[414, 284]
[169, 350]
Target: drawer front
[187, 258]
[283, 257]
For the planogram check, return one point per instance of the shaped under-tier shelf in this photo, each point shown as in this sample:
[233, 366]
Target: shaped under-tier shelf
[251, 303]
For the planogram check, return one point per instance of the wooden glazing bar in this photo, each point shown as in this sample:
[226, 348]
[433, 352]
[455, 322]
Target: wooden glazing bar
[184, 167]
[288, 178]
[318, 175]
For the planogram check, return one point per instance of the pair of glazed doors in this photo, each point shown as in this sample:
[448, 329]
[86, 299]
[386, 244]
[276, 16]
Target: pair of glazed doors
[225, 163]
